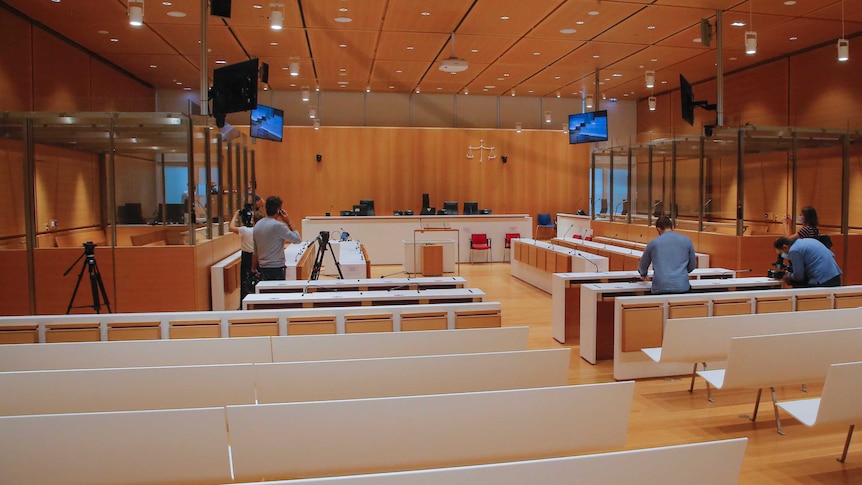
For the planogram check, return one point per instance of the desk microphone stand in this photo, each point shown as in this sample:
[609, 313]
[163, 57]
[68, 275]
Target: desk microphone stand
[96, 285]
[322, 244]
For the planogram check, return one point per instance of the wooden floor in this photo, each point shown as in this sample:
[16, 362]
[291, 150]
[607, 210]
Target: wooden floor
[665, 413]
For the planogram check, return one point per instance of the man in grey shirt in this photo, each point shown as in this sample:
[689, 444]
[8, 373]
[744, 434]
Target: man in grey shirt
[672, 258]
[270, 234]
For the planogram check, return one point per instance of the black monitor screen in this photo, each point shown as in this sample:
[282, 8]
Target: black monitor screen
[267, 123]
[471, 208]
[174, 213]
[451, 207]
[588, 127]
[235, 87]
[369, 206]
[686, 100]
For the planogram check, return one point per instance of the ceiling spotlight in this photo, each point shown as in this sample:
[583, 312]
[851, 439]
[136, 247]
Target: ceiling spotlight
[548, 118]
[312, 112]
[651, 100]
[565, 127]
[843, 50]
[316, 125]
[136, 13]
[276, 17]
[588, 101]
[750, 42]
[650, 79]
[294, 66]
[518, 127]
[305, 92]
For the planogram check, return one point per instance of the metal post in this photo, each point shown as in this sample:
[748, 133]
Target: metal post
[30, 208]
[740, 181]
[719, 69]
[208, 177]
[204, 65]
[190, 205]
[221, 181]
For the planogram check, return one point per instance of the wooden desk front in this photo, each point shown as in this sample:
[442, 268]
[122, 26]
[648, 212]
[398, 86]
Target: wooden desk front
[361, 298]
[597, 308]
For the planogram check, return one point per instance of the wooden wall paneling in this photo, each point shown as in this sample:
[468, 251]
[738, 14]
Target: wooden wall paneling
[852, 267]
[16, 63]
[758, 95]
[855, 215]
[765, 186]
[135, 182]
[721, 249]
[204, 252]
[142, 98]
[155, 279]
[53, 290]
[15, 282]
[823, 92]
[109, 88]
[61, 75]
[820, 185]
[756, 253]
[12, 197]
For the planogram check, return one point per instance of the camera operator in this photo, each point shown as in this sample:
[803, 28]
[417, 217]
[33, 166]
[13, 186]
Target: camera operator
[270, 234]
[811, 263]
[242, 224]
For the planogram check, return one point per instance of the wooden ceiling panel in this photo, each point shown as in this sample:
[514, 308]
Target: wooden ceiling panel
[407, 16]
[596, 55]
[506, 17]
[381, 86]
[363, 14]
[656, 58]
[434, 74]
[538, 51]
[509, 74]
[258, 42]
[341, 44]
[403, 71]
[245, 14]
[220, 41]
[558, 75]
[577, 16]
[168, 70]
[335, 69]
[653, 23]
[484, 49]
[441, 88]
[412, 46]
[122, 39]
[532, 88]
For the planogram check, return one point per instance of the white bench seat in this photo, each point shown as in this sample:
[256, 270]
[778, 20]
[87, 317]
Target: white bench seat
[713, 463]
[839, 403]
[784, 359]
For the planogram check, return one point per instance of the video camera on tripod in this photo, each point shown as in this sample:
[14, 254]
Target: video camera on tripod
[781, 269]
[322, 244]
[97, 287]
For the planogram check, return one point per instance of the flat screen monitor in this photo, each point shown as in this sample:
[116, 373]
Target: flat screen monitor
[471, 208]
[369, 206]
[451, 207]
[174, 213]
[267, 123]
[235, 87]
[686, 96]
[588, 127]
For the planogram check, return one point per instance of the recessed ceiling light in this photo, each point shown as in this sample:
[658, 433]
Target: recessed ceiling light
[790, 3]
[343, 46]
[733, 58]
[220, 61]
[103, 32]
[273, 43]
[579, 22]
[342, 9]
[425, 14]
[474, 50]
[293, 85]
[794, 38]
[398, 71]
[697, 40]
[343, 82]
[567, 31]
[556, 77]
[257, 6]
[114, 39]
[409, 47]
[167, 4]
[176, 14]
[391, 87]
[537, 53]
[593, 13]
[153, 66]
[617, 75]
[664, 82]
[490, 86]
[506, 74]
[179, 83]
[345, 69]
[530, 91]
[737, 24]
[653, 60]
[651, 27]
[501, 79]
[187, 88]
[343, 20]
[56, 1]
[596, 56]
[504, 17]
[439, 89]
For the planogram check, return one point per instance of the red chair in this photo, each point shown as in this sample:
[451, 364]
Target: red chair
[480, 242]
[508, 244]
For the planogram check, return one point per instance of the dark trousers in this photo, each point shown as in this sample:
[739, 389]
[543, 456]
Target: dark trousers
[246, 284]
[272, 274]
[836, 281]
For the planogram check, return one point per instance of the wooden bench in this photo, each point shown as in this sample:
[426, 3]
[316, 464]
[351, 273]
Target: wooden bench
[784, 359]
[707, 339]
[838, 404]
[712, 462]
[535, 262]
[642, 319]
[225, 281]
[303, 440]
[167, 446]
[141, 388]
[76, 239]
[180, 325]
[95, 355]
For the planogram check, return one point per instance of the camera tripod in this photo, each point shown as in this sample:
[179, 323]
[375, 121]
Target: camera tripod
[322, 244]
[96, 285]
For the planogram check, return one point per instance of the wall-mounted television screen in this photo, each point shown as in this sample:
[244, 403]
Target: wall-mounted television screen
[588, 127]
[267, 123]
[235, 87]
[686, 96]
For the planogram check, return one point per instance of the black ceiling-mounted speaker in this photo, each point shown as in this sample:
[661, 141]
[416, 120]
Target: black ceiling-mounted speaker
[264, 72]
[705, 32]
[220, 8]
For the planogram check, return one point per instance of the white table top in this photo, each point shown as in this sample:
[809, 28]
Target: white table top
[704, 284]
[698, 273]
[380, 296]
[275, 286]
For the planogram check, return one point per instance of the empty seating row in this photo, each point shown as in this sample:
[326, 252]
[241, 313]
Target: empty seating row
[140, 388]
[373, 297]
[313, 439]
[301, 321]
[535, 262]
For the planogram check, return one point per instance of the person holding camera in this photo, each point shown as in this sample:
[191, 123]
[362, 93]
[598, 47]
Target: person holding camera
[811, 263]
[672, 258]
[270, 234]
[808, 219]
[242, 224]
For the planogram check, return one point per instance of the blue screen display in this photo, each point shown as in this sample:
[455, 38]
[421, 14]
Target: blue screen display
[267, 123]
[588, 127]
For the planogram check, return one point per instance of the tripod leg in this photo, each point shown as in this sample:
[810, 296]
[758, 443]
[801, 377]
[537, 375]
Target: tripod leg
[98, 276]
[318, 261]
[77, 284]
[94, 289]
[337, 264]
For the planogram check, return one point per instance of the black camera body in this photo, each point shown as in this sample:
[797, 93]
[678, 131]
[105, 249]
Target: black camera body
[781, 269]
[246, 216]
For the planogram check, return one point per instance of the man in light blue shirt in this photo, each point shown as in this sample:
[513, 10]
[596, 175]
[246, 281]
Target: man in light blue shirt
[812, 263]
[672, 258]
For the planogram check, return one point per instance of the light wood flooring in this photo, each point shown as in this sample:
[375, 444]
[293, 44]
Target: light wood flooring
[665, 413]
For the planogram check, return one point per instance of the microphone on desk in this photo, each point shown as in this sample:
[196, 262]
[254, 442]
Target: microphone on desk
[567, 231]
[587, 259]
